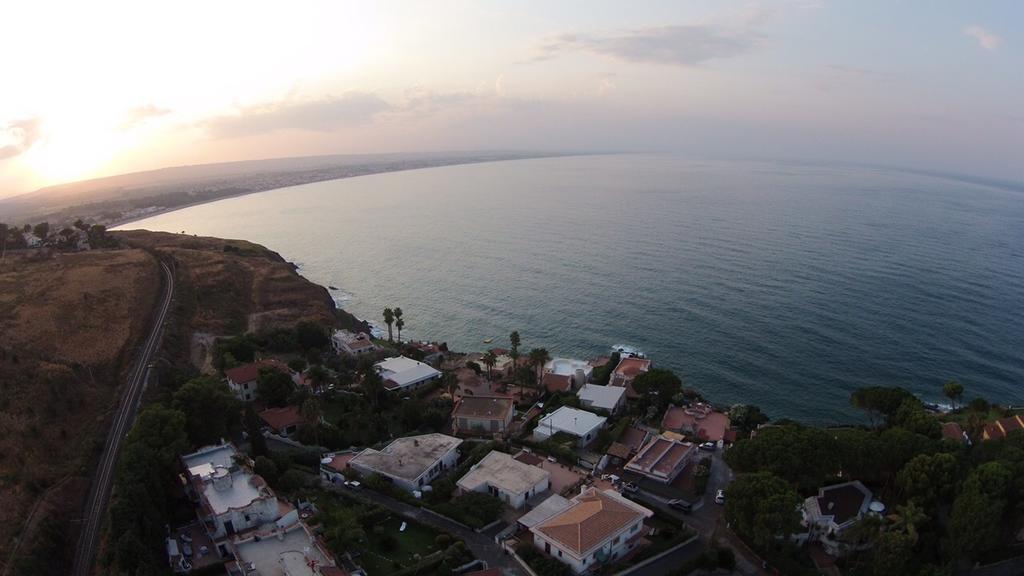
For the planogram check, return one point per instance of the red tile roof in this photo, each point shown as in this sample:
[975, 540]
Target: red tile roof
[557, 382]
[593, 518]
[250, 372]
[632, 367]
[952, 431]
[281, 418]
[1002, 427]
[699, 420]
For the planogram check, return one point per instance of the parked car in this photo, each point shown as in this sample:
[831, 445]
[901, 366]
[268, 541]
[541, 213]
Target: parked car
[720, 497]
[630, 488]
[186, 549]
[354, 484]
[708, 446]
[681, 505]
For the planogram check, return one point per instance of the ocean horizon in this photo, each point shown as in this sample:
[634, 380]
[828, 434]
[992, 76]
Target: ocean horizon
[783, 285]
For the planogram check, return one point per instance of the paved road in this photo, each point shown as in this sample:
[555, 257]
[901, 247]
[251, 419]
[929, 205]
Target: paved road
[99, 492]
[483, 547]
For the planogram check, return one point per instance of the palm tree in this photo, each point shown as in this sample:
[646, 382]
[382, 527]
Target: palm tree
[451, 383]
[317, 376]
[954, 391]
[513, 338]
[389, 319]
[538, 358]
[489, 360]
[399, 322]
[311, 416]
[907, 518]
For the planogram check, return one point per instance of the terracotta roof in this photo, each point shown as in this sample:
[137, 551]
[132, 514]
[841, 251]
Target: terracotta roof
[557, 382]
[699, 419]
[634, 437]
[632, 367]
[952, 431]
[250, 372]
[484, 407]
[619, 450]
[281, 418]
[1002, 427]
[593, 518]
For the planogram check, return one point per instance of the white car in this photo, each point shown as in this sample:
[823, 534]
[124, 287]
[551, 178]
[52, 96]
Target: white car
[720, 497]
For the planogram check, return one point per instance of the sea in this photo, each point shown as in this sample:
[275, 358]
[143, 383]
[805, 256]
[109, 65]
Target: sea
[780, 284]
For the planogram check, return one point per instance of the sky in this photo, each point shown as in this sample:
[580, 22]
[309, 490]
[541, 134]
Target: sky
[99, 88]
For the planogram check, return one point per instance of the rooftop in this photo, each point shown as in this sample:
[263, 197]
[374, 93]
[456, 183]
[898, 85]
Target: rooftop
[490, 407]
[281, 418]
[953, 431]
[572, 420]
[557, 382]
[501, 470]
[566, 366]
[407, 458]
[592, 518]
[632, 367]
[405, 371]
[605, 397]
[291, 553]
[549, 507]
[224, 490]
[250, 372]
[661, 458]
[843, 502]
[209, 457]
[702, 419]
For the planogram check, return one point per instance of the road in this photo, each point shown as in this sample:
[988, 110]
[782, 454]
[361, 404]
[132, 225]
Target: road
[99, 491]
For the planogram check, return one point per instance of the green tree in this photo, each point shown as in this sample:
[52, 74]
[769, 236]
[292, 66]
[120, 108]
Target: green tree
[746, 417]
[513, 353]
[266, 469]
[912, 416]
[399, 322]
[210, 409]
[907, 518]
[252, 423]
[318, 377]
[658, 385]
[954, 391]
[762, 506]
[342, 530]
[879, 401]
[312, 414]
[310, 336]
[538, 358]
[489, 360]
[891, 554]
[274, 387]
[42, 230]
[163, 431]
[389, 319]
[974, 524]
[602, 374]
[805, 456]
[929, 480]
[373, 388]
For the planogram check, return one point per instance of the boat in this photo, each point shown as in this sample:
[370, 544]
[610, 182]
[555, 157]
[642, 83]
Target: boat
[488, 340]
[625, 351]
[333, 287]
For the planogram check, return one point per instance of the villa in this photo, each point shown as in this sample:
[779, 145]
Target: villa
[572, 421]
[834, 510]
[597, 528]
[578, 371]
[293, 551]
[351, 344]
[608, 398]
[1001, 428]
[627, 371]
[662, 459]
[401, 373]
[282, 421]
[412, 462]
[700, 420]
[504, 477]
[244, 379]
[483, 415]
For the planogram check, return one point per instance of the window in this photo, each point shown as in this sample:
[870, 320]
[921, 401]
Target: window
[559, 553]
[616, 540]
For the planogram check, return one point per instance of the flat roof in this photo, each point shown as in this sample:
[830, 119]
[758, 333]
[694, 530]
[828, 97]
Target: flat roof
[549, 507]
[211, 456]
[405, 371]
[501, 470]
[407, 458]
[240, 489]
[289, 555]
[606, 397]
[572, 420]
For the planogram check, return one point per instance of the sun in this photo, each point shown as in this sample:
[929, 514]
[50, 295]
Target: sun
[76, 148]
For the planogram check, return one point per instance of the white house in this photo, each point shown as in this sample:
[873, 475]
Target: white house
[412, 462]
[231, 497]
[609, 398]
[511, 481]
[579, 423]
[401, 373]
[835, 509]
[31, 240]
[292, 551]
[243, 379]
[579, 371]
[597, 528]
[351, 344]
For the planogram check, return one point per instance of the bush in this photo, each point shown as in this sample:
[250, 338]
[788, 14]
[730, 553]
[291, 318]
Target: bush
[473, 509]
[266, 468]
[291, 480]
[442, 541]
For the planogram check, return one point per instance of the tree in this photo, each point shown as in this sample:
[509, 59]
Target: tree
[907, 518]
[318, 376]
[399, 322]
[538, 358]
[310, 336]
[266, 469]
[489, 360]
[974, 524]
[746, 417]
[312, 414]
[450, 382]
[954, 391]
[373, 388]
[928, 480]
[389, 319]
[802, 455]
[297, 364]
[659, 385]
[602, 374]
[762, 506]
[252, 427]
[891, 554]
[210, 409]
[273, 387]
[162, 431]
[514, 340]
[879, 401]
[912, 416]
[42, 230]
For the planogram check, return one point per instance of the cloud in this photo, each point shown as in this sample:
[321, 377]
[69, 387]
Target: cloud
[142, 114]
[684, 45]
[985, 38]
[18, 136]
[325, 115]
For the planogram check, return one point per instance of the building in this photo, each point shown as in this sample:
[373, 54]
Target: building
[231, 498]
[662, 459]
[554, 383]
[1001, 428]
[505, 478]
[401, 373]
[31, 240]
[626, 372]
[578, 371]
[550, 506]
[244, 379]
[834, 510]
[953, 431]
[333, 466]
[597, 528]
[699, 420]
[432, 353]
[608, 398]
[352, 344]
[410, 463]
[483, 415]
[282, 421]
[292, 551]
[579, 423]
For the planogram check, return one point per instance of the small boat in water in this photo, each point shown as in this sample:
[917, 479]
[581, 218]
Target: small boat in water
[333, 287]
[488, 340]
[627, 351]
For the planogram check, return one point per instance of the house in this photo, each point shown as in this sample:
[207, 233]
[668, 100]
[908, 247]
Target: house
[31, 240]
[243, 379]
[509, 480]
[608, 398]
[597, 528]
[352, 344]
[412, 462]
[282, 421]
[662, 459]
[554, 383]
[953, 431]
[572, 421]
[835, 509]
[483, 415]
[432, 353]
[333, 466]
[578, 371]
[700, 420]
[630, 442]
[401, 373]
[291, 551]
[1001, 428]
[231, 497]
[626, 372]
[550, 506]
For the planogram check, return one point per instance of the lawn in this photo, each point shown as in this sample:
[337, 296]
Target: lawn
[415, 540]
